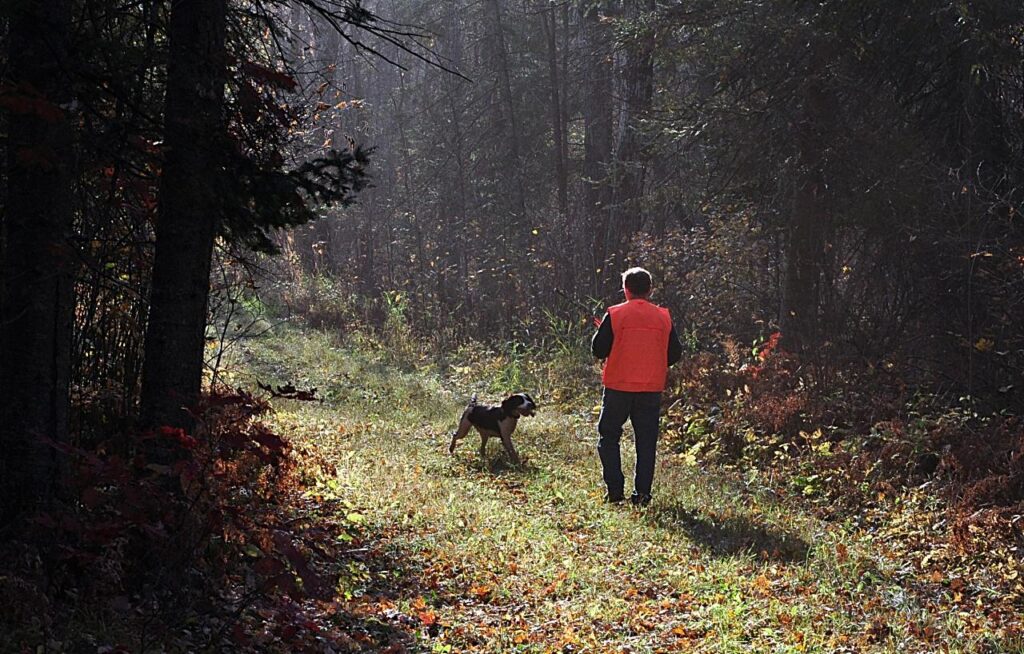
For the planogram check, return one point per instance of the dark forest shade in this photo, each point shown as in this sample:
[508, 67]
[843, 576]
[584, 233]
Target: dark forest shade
[190, 212]
[805, 256]
[36, 269]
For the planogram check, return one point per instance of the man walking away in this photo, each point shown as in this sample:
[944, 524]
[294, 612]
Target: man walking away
[639, 343]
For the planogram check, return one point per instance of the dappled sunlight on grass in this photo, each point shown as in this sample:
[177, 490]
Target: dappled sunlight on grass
[495, 557]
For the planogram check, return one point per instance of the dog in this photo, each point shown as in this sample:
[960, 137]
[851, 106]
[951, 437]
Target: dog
[497, 421]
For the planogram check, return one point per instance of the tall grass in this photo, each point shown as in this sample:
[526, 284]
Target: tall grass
[551, 360]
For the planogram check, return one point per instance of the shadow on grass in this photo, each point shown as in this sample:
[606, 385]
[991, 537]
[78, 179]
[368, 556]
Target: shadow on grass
[730, 536]
[497, 472]
[496, 464]
[373, 621]
[501, 466]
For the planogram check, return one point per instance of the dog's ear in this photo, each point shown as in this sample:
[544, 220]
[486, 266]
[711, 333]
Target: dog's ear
[510, 403]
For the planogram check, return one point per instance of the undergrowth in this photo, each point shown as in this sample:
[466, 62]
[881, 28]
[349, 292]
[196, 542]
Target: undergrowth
[179, 542]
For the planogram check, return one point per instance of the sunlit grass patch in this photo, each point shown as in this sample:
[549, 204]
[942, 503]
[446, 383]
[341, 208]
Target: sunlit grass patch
[499, 558]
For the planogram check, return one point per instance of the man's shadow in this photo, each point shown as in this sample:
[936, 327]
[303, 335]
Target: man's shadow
[730, 536]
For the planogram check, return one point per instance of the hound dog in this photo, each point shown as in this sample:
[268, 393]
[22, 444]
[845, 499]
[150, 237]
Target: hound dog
[498, 421]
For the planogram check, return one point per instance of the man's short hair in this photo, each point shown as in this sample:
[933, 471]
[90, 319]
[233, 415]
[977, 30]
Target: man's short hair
[637, 281]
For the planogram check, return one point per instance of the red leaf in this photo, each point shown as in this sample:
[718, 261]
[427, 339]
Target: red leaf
[234, 440]
[268, 76]
[239, 635]
[311, 582]
[91, 498]
[178, 435]
[269, 440]
[41, 158]
[268, 566]
[285, 582]
[26, 100]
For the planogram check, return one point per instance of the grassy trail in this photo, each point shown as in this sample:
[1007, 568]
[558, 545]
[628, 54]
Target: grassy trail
[464, 555]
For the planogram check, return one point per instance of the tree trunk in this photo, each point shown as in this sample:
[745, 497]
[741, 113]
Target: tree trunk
[806, 247]
[499, 56]
[456, 109]
[566, 111]
[597, 135]
[630, 154]
[800, 292]
[37, 299]
[189, 213]
[550, 25]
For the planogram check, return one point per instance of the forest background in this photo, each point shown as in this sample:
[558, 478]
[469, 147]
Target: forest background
[829, 196]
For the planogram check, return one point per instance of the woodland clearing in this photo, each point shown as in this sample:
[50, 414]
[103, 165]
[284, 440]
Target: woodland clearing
[456, 554]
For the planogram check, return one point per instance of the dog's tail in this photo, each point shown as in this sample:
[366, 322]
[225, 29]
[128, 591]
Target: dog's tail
[469, 407]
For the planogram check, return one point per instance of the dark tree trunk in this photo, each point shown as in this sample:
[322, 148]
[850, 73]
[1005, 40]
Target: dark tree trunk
[499, 57]
[804, 257]
[565, 96]
[630, 153]
[456, 109]
[597, 136]
[189, 213]
[550, 24]
[506, 286]
[806, 243]
[37, 299]
[369, 285]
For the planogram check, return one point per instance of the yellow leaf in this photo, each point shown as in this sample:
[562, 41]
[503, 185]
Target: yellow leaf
[762, 584]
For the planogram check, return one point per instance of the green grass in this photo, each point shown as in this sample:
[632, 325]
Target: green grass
[492, 558]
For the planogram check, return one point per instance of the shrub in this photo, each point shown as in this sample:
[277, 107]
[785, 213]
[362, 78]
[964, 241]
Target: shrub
[185, 518]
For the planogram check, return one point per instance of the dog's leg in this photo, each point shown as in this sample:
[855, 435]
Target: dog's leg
[459, 433]
[506, 441]
[510, 450]
[483, 445]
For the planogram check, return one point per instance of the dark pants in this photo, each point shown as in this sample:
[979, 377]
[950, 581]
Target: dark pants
[642, 410]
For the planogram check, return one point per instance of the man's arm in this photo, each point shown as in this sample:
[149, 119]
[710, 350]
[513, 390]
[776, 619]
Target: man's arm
[675, 348]
[601, 343]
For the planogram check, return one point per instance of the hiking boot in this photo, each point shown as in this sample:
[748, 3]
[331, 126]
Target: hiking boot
[640, 500]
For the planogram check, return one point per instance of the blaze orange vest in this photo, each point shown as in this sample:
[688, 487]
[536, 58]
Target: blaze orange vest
[638, 361]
